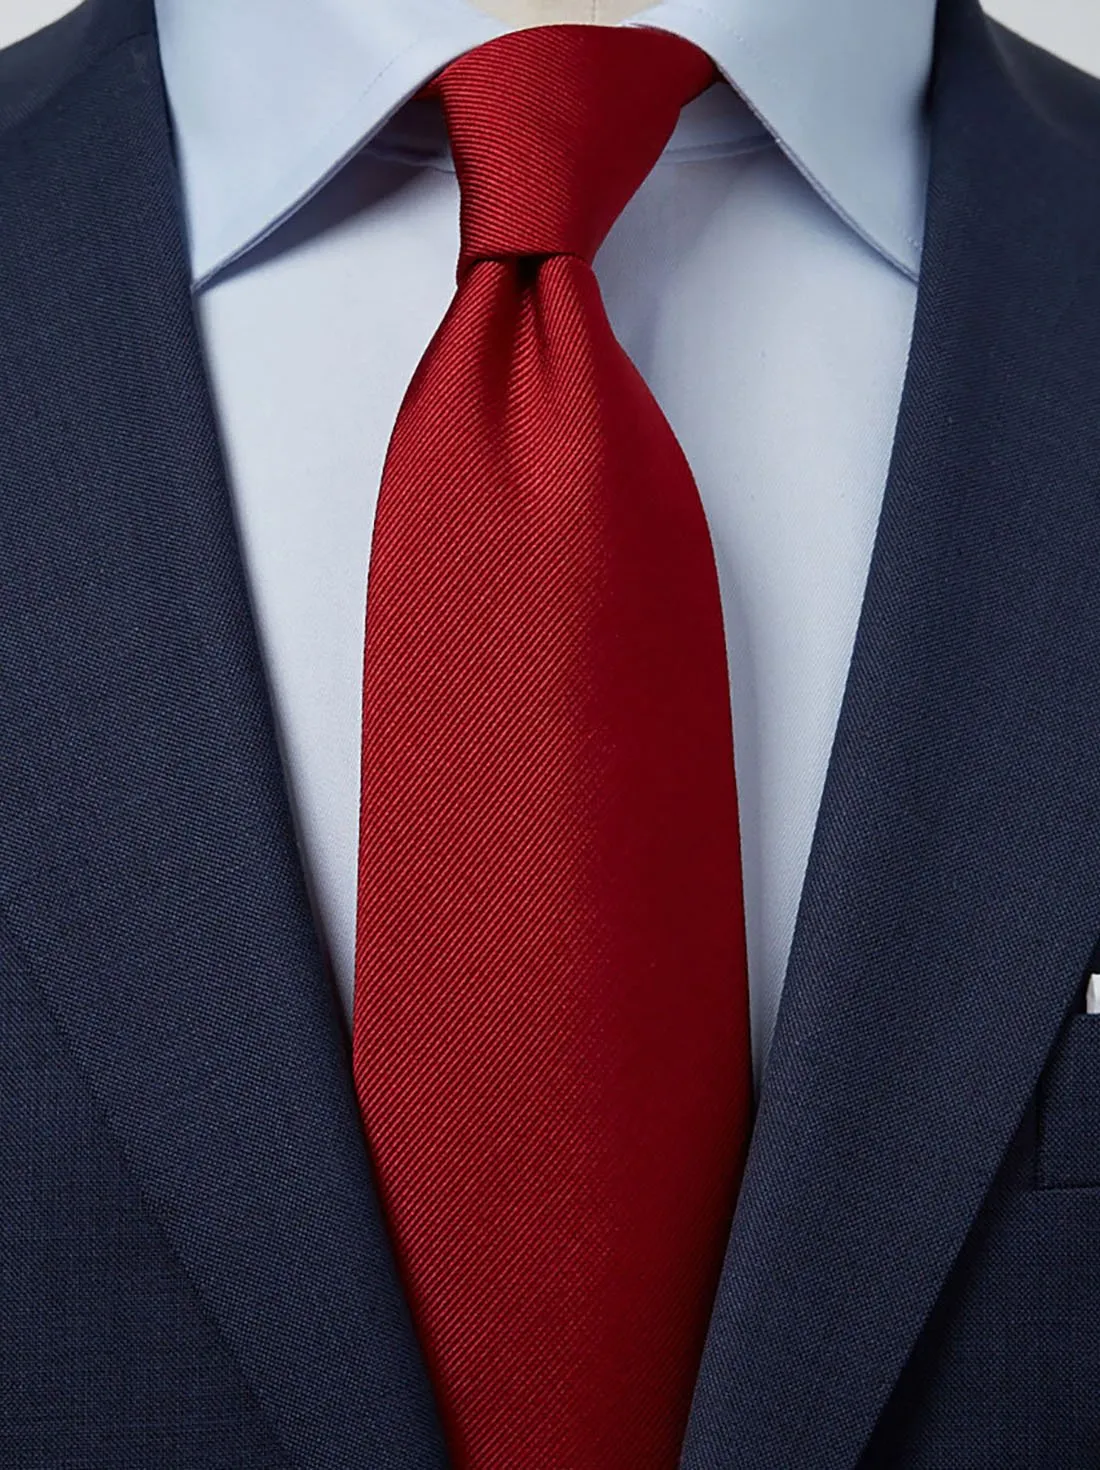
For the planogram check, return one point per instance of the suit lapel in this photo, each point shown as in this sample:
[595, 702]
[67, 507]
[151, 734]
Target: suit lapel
[147, 863]
[953, 893]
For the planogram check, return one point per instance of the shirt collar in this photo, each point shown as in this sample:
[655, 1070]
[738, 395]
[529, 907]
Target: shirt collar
[270, 97]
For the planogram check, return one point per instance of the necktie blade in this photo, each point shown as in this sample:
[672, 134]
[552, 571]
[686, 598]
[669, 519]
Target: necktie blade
[551, 1028]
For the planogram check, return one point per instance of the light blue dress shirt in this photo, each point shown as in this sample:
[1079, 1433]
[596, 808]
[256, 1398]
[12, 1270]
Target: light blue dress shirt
[763, 279]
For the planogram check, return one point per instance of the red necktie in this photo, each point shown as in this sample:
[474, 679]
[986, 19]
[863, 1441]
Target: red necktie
[551, 1030]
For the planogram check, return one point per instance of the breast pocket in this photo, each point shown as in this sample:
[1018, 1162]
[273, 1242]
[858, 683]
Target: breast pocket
[1069, 1110]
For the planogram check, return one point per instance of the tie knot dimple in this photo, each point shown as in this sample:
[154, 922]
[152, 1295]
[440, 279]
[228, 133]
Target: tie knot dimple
[553, 128]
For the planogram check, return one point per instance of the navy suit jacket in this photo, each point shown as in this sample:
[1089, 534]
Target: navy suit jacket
[193, 1267]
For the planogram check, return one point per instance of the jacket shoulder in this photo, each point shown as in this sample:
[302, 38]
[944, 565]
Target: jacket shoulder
[1064, 95]
[35, 70]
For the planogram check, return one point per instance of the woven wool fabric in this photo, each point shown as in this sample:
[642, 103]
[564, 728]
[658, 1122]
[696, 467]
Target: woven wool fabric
[193, 1268]
[551, 1029]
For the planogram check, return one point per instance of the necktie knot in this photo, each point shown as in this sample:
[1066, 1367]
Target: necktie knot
[553, 128]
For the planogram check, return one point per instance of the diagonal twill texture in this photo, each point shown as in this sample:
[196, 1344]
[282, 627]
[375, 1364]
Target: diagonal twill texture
[551, 1013]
